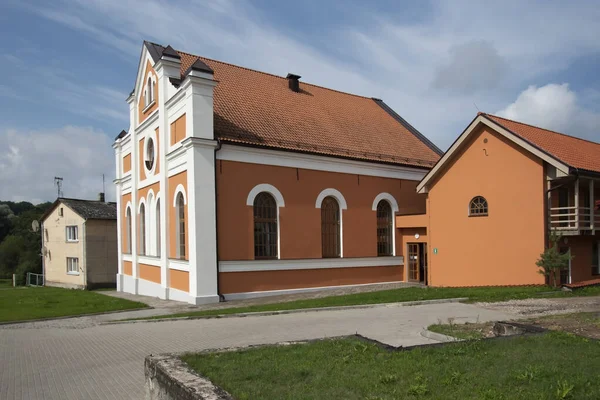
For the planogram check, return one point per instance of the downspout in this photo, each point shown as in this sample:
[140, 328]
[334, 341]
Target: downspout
[221, 297]
[83, 242]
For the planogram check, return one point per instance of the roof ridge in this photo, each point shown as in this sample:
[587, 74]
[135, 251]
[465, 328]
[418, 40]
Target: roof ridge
[270, 74]
[544, 129]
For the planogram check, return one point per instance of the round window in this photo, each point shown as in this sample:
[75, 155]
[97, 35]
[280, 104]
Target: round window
[149, 153]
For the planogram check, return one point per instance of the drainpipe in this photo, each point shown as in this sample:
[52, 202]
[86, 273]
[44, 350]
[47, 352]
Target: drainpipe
[83, 242]
[221, 297]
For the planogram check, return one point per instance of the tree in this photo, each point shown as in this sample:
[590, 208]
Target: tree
[12, 250]
[552, 261]
[6, 216]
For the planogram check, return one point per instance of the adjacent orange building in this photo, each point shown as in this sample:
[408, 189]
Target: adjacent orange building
[235, 183]
[492, 200]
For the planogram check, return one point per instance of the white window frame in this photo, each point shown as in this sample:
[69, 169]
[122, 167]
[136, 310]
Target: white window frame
[69, 229]
[72, 266]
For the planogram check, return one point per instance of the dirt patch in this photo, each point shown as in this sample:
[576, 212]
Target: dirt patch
[542, 307]
[582, 324]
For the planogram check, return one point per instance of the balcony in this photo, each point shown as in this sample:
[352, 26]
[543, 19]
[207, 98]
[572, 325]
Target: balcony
[574, 206]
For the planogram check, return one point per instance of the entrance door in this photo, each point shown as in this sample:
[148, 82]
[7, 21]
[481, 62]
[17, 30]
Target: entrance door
[413, 261]
[423, 267]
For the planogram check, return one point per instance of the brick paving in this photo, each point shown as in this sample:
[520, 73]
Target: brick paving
[64, 359]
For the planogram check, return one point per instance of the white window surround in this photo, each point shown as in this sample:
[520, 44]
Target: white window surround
[265, 187]
[339, 197]
[394, 204]
[273, 191]
[390, 199]
[150, 138]
[149, 260]
[179, 189]
[72, 233]
[72, 266]
[333, 193]
[180, 265]
[317, 263]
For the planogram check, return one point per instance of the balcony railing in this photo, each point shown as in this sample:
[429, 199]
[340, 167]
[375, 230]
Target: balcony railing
[574, 218]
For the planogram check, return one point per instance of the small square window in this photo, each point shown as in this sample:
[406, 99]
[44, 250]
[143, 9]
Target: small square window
[72, 233]
[72, 265]
[60, 212]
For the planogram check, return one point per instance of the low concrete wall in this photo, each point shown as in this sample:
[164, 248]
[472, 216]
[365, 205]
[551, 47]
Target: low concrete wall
[169, 378]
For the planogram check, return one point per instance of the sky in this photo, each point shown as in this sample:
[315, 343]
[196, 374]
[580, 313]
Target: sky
[67, 66]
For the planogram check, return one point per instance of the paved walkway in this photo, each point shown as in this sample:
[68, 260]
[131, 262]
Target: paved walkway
[65, 360]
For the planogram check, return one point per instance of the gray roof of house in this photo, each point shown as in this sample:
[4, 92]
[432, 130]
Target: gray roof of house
[90, 209]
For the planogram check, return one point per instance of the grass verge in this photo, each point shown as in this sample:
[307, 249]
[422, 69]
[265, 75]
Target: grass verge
[551, 366]
[474, 294]
[5, 283]
[26, 303]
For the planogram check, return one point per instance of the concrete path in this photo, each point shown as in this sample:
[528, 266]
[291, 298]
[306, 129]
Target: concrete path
[66, 360]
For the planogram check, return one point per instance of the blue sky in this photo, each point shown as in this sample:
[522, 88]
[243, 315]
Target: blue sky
[67, 66]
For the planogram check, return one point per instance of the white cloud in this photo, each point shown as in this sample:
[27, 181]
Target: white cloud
[556, 107]
[29, 161]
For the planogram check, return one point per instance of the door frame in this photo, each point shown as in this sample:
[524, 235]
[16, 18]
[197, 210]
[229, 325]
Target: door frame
[421, 254]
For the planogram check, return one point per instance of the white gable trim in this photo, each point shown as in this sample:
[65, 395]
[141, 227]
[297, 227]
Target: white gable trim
[422, 186]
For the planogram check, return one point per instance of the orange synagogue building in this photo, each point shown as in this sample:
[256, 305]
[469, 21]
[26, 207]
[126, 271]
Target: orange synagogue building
[236, 183]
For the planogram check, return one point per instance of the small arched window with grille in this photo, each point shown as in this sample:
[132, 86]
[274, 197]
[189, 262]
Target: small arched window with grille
[478, 207]
[128, 231]
[142, 225]
[385, 228]
[330, 228]
[265, 226]
[180, 203]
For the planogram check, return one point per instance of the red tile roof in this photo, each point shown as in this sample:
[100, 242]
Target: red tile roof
[575, 152]
[259, 109]
[576, 285]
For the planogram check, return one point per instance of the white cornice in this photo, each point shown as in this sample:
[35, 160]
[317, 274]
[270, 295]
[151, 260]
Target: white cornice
[148, 121]
[290, 159]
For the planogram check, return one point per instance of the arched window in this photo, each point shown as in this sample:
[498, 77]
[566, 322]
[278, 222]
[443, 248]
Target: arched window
[265, 226]
[330, 228]
[385, 238]
[128, 230]
[142, 225]
[149, 156]
[478, 207]
[150, 92]
[180, 203]
[158, 227]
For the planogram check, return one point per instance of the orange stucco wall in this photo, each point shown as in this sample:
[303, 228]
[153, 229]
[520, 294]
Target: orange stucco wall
[149, 273]
[127, 268]
[300, 220]
[179, 280]
[141, 114]
[178, 131]
[127, 163]
[240, 282]
[175, 180]
[502, 248]
[124, 200]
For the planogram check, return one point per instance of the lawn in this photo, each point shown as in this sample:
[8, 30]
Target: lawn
[551, 366]
[25, 303]
[5, 283]
[474, 294]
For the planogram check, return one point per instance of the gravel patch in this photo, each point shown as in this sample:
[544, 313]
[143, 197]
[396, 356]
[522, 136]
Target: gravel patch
[541, 307]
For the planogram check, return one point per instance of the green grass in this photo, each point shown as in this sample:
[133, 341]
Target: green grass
[5, 283]
[552, 366]
[466, 331]
[475, 294]
[27, 303]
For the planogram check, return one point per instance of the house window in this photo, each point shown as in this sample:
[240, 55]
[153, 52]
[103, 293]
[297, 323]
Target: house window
[181, 226]
[128, 230]
[72, 233]
[596, 258]
[478, 207]
[142, 225]
[149, 92]
[149, 156]
[265, 226]
[384, 229]
[60, 212]
[330, 228]
[72, 265]
[158, 228]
